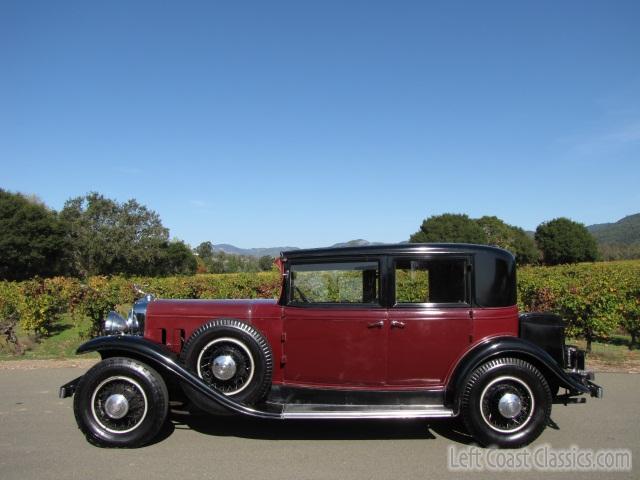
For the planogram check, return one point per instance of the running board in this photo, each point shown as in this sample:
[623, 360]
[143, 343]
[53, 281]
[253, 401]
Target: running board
[311, 411]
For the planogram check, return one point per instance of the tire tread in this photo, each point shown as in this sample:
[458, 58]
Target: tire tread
[158, 394]
[468, 409]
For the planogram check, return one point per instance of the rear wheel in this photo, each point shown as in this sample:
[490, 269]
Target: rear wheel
[121, 402]
[506, 403]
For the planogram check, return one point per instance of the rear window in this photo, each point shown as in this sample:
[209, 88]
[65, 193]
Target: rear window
[431, 281]
[495, 280]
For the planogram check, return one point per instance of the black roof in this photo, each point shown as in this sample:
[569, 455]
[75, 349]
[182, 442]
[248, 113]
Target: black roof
[494, 268]
[398, 248]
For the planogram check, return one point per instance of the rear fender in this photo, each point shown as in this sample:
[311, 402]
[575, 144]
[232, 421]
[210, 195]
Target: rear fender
[509, 347]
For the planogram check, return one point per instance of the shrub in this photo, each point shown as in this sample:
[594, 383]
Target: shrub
[597, 299]
[9, 313]
[102, 294]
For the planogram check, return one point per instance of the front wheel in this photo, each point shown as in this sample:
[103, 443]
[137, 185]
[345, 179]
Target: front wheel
[121, 402]
[506, 403]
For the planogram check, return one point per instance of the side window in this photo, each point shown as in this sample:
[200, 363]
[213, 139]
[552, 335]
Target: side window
[334, 283]
[431, 281]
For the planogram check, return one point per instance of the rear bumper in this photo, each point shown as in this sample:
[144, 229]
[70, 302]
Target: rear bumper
[575, 360]
[583, 377]
[586, 377]
[596, 390]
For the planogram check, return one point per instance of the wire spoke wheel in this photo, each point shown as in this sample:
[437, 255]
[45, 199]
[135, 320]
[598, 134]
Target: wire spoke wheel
[227, 365]
[119, 404]
[506, 404]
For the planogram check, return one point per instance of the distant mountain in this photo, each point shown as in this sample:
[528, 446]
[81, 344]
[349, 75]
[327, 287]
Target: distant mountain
[623, 232]
[251, 252]
[355, 243]
[275, 251]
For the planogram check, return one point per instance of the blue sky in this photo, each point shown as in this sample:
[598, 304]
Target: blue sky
[308, 123]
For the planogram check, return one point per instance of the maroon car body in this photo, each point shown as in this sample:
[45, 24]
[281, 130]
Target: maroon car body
[392, 331]
[414, 356]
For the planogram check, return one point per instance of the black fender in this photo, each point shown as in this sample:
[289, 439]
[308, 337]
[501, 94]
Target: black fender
[161, 358]
[509, 347]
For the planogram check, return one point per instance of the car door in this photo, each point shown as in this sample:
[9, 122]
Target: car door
[430, 321]
[335, 329]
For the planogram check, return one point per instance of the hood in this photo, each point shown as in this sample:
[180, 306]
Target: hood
[240, 309]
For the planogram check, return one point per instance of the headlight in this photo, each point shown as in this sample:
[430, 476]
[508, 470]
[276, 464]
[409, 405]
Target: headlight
[138, 315]
[114, 324]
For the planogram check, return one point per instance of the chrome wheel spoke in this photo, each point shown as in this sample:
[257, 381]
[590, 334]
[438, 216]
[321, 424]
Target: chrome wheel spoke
[119, 404]
[506, 404]
[226, 364]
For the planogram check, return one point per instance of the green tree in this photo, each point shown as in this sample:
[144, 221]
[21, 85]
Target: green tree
[496, 232]
[265, 263]
[32, 239]
[449, 227]
[205, 251]
[178, 259]
[513, 239]
[564, 241]
[221, 262]
[614, 251]
[108, 237]
[524, 247]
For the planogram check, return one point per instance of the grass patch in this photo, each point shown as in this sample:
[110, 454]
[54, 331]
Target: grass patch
[614, 352]
[66, 335]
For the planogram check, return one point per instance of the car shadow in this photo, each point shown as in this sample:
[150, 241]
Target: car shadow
[246, 427]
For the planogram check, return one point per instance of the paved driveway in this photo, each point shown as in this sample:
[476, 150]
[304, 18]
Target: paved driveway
[39, 440]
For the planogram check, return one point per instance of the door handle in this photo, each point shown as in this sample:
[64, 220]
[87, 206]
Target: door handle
[378, 324]
[397, 324]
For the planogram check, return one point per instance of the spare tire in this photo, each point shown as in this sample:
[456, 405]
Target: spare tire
[231, 357]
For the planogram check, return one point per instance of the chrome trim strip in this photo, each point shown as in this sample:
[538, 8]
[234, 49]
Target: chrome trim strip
[307, 411]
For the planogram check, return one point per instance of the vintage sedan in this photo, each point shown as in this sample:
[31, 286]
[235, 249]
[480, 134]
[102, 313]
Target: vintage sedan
[387, 332]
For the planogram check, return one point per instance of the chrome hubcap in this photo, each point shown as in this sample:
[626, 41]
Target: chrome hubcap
[509, 405]
[224, 367]
[116, 406]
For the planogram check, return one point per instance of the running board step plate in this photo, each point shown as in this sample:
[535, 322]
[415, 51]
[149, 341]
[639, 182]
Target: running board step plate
[310, 411]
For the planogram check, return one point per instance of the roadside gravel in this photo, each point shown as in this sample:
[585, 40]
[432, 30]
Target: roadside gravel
[25, 364]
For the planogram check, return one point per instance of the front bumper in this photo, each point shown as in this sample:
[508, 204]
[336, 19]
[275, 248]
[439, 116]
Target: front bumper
[69, 388]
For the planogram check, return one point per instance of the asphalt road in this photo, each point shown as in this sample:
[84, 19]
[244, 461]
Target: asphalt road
[39, 440]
